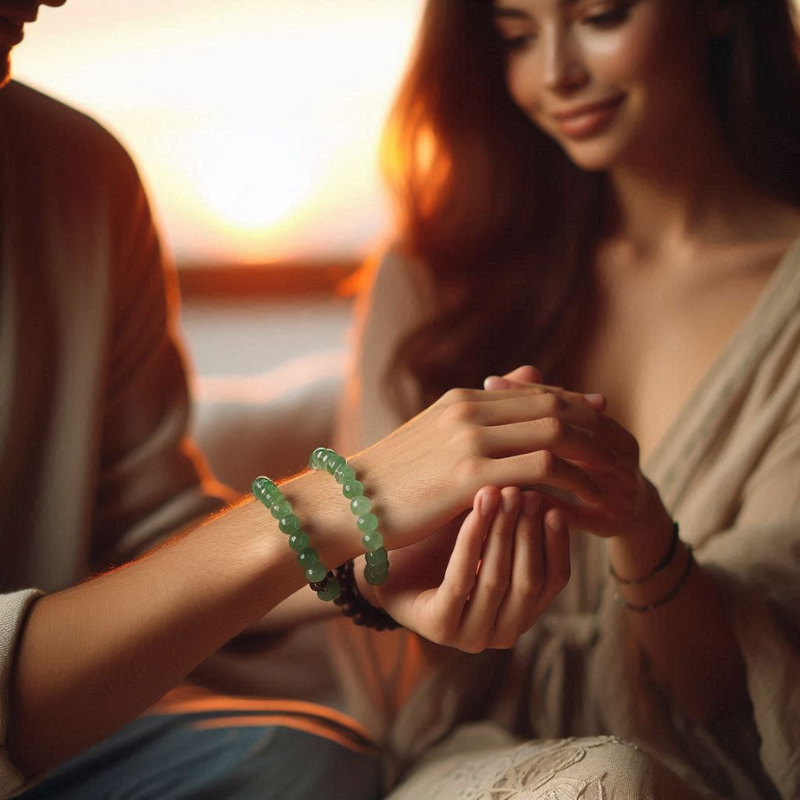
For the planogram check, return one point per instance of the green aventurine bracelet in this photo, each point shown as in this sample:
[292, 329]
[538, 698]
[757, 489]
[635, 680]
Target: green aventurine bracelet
[377, 569]
[321, 580]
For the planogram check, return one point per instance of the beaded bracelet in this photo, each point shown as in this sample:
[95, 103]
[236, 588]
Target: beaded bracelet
[320, 579]
[356, 606]
[663, 564]
[377, 569]
[670, 595]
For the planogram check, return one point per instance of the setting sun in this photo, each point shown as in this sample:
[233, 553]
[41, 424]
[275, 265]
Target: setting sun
[256, 129]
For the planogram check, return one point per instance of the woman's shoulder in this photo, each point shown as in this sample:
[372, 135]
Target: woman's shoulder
[395, 278]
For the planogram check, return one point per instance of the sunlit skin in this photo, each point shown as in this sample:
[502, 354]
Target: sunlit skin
[13, 18]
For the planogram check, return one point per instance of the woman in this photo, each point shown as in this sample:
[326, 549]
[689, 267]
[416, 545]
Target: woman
[610, 189]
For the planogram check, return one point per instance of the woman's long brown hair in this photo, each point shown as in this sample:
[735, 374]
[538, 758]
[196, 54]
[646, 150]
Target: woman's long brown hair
[501, 218]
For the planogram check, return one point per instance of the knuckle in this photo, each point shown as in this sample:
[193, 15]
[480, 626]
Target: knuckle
[472, 439]
[545, 462]
[461, 411]
[528, 589]
[552, 404]
[494, 586]
[472, 469]
[459, 590]
[453, 396]
[553, 428]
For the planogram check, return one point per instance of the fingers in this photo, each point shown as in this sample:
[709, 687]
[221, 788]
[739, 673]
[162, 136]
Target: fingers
[515, 407]
[525, 374]
[516, 614]
[460, 575]
[561, 438]
[530, 377]
[556, 562]
[543, 469]
[478, 622]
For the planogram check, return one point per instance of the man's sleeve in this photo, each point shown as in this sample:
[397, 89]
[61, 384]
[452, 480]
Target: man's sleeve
[153, 481]
[13, 609]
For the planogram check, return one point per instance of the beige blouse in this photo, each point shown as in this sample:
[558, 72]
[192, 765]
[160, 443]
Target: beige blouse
[728, 470]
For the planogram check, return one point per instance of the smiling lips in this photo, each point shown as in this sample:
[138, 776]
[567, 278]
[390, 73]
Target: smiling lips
[587, 120]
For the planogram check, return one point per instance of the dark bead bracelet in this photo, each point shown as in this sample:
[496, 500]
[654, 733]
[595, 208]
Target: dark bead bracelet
[355, 606]
[663, 564]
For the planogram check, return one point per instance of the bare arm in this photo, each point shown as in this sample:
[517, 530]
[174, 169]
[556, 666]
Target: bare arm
[92, 657]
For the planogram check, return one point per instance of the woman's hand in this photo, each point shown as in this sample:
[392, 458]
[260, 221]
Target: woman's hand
[627, 504]
[486, 583]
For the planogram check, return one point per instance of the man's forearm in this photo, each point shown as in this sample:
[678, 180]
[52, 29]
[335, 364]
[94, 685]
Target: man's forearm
[93, 657]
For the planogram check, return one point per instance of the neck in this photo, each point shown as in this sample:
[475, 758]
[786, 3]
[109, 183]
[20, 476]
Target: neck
[688, 192]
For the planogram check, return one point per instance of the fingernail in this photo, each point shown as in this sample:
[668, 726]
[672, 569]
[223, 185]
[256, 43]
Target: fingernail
[530, 505]
[555, 522]
[510, 500]
[488, 502]
[496, 382]
[596, 399]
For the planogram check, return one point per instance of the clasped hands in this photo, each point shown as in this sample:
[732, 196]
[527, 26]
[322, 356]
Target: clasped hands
[482, 580]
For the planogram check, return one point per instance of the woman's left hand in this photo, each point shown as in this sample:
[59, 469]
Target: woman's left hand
[482, 584]
[629, 504]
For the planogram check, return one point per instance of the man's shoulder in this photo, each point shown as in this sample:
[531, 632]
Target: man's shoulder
[51, 126]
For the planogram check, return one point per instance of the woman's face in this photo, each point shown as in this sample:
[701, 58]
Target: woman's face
[609, 80]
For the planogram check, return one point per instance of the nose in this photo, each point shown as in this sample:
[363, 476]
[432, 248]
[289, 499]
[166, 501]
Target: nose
[564, 70]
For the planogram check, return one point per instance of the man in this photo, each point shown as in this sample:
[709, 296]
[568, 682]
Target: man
[96, 469]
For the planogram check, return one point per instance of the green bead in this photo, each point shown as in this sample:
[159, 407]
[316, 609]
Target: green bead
[375, 578]
[344, 474]
[316, 460]
[352, 489]
[372, 541]
[289, 524]
[331, 591]
[265, 490]
[360, 505]
[281, 508]
[367, 523]
[377, 557]
[315, 573]
[307, 558]
[299, 541]
[333, 462]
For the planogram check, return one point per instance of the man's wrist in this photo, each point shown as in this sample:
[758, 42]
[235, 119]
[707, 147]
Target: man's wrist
[366, 589]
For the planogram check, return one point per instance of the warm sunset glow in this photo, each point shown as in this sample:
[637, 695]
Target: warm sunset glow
[256, 128]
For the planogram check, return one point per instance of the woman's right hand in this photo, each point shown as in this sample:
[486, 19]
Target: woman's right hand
[509, 560]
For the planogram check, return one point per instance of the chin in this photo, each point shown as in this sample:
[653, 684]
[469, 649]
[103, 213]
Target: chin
[591, 157]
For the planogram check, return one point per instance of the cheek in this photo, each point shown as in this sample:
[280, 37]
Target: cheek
[627, 56]
[523, 85]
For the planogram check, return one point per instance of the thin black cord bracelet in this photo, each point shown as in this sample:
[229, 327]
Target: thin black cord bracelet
[670, 595]
[355, 606]
[663, 564]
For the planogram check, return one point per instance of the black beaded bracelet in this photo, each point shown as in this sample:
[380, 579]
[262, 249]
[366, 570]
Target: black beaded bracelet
[355, 606]
[670, 595]
[663, 564]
